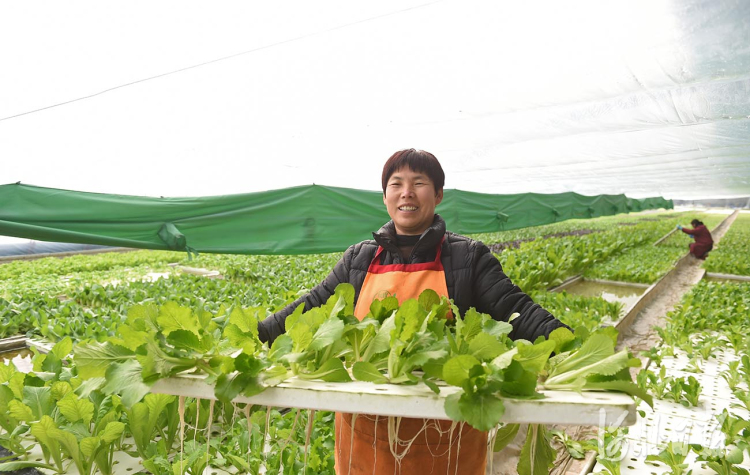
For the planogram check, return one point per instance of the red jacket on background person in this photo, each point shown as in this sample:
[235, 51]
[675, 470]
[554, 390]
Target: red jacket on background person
[703, 240]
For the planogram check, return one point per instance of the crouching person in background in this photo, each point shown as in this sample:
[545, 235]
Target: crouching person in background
[703, 240]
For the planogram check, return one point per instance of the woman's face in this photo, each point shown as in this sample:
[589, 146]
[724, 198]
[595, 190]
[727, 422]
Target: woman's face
[410, 199]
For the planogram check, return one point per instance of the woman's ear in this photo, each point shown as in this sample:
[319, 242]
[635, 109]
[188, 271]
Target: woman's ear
[438, 197]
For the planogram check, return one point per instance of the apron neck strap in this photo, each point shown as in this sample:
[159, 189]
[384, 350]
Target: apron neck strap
[376, 259]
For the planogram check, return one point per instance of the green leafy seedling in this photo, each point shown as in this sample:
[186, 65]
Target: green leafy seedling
[673, 456]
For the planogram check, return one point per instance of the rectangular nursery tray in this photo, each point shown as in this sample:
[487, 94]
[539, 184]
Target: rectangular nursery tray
[558, 407]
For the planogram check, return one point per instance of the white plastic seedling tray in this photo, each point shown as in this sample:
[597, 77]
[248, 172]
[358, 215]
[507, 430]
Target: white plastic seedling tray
[673, 422]
[670, 421]
[123, 463]
[558, 407]
[680, 362]
[634, 462]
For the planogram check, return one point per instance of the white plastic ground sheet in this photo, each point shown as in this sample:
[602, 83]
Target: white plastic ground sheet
[674, 422]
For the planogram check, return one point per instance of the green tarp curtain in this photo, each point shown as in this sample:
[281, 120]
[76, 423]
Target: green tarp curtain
[299, 220]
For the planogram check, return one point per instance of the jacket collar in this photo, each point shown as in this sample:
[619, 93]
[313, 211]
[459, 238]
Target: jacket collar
[430, 238]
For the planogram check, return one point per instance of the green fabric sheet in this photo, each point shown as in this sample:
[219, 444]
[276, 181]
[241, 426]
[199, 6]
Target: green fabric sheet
[299, 220]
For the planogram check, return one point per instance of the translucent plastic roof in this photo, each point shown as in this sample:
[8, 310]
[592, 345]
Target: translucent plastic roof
[645, 98]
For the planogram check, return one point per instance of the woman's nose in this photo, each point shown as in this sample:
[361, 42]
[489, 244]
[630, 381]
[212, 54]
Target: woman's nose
[407, 191]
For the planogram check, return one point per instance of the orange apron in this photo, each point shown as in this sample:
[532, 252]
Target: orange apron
[436, 448]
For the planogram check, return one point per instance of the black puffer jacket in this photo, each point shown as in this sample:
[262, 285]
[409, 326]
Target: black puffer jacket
[473, 276]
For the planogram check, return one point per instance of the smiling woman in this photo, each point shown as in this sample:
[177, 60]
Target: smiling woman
[411, 253]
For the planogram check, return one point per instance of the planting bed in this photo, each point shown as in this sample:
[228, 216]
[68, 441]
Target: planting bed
[625, 294]
[733, 255]
[88, 309]
[646, 263]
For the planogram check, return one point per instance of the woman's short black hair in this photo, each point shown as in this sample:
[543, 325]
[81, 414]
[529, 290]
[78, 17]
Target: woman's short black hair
[695, 223]
[418, 161]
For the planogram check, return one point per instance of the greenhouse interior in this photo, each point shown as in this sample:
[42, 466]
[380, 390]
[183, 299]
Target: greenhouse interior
[354, 238]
